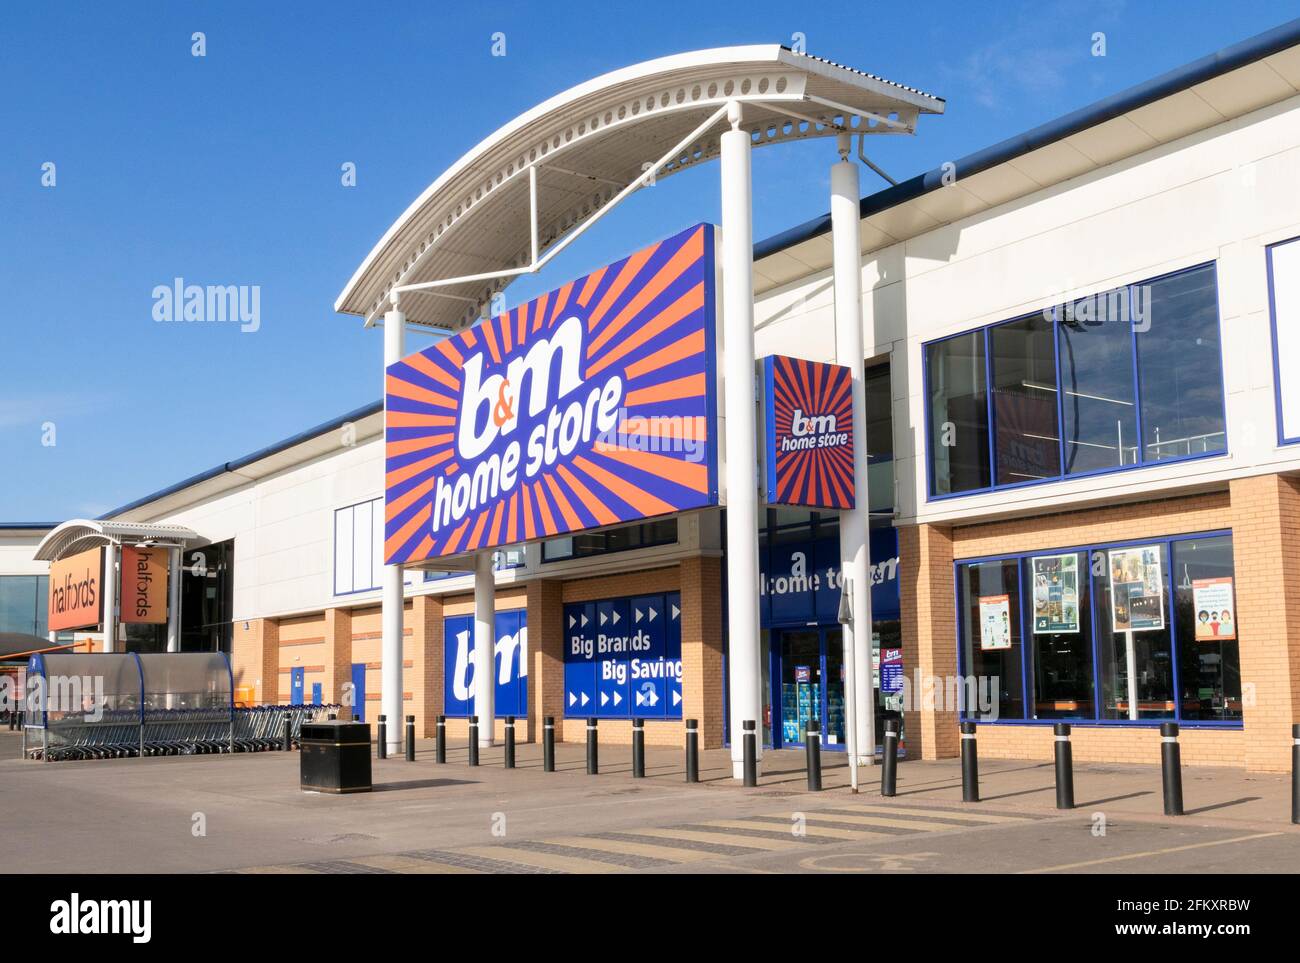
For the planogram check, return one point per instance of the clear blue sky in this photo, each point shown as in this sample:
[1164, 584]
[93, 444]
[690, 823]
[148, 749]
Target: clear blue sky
[226, 170]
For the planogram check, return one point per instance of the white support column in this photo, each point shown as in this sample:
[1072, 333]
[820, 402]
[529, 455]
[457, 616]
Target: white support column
[174, 599]
[855, 544]
[110, 598]
[394, 600]
[485, 643]
[744, 668]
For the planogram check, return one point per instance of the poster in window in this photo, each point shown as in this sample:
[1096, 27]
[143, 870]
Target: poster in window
[995, 622]
[1215, 609]
[1056, 593]
[1136, 592]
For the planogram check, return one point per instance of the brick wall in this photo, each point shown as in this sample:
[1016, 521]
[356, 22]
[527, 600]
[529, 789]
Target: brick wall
[929, 631]
[1265, 519]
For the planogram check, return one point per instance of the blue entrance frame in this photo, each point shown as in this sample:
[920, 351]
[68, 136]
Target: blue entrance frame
[775, 666]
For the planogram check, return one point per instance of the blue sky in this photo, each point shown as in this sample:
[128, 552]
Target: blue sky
[225, 169]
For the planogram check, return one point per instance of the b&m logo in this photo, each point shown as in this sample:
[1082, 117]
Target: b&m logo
[808, 409]
[592, 405]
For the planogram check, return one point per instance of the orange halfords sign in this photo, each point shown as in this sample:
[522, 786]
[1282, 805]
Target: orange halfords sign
[144, 585]
[75, 590]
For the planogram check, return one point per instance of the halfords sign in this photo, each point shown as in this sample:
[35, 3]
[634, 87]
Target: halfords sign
[592, 405]
[808, 427]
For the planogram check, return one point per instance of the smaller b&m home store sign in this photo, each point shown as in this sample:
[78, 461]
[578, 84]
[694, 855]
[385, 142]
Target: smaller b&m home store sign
[808, 428]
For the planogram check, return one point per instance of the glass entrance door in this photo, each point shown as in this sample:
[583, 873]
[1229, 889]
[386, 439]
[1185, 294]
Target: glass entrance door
[809, 669]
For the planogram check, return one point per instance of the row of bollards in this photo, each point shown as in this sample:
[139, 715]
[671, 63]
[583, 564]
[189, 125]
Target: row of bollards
[1171, 771]
[1170, 755]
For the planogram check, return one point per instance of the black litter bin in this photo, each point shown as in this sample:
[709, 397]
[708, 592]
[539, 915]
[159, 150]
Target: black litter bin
[335, 756]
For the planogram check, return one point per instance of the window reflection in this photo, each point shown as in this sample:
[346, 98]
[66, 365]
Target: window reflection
[1180, 366]
[1026, 433]
[959, 428]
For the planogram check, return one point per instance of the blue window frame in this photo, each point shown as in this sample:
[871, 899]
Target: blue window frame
[1284, 319]
[1071, 662]
[1125, 378]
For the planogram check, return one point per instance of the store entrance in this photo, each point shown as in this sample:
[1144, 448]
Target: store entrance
[808, 669]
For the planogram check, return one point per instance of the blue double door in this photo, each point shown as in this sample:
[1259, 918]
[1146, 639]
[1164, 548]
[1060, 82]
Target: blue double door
[807, 673]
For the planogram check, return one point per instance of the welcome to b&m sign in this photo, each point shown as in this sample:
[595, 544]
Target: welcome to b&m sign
[808, 423]
[592, 405]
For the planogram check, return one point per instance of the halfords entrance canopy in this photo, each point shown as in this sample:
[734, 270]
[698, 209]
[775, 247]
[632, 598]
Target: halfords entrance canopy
[586, 145]
[79, 534]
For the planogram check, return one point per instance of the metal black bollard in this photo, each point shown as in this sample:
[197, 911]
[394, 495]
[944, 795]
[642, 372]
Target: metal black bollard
[381, 746]
[638, 748]
[410, 738]
[812, 738]
[889, 763]
[692, 750]
[970, 764]
[1295, 774]
[510, 742]
[473, 740]
[440, 740]
[288, 734]
[13, 720]
[1171, 768]
[749, 752]
[593, 750]
[1064, 767]
[548, 744]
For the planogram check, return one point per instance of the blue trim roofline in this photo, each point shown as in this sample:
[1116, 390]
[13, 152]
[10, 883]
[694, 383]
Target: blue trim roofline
[27, 526]
[375, 407]
[1175, 81]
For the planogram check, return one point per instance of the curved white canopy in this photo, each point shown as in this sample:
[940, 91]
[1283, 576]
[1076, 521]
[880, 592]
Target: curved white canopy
[79, 534]
[593, 141]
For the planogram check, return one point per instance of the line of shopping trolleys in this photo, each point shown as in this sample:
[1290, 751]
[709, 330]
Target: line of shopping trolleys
[120, 734]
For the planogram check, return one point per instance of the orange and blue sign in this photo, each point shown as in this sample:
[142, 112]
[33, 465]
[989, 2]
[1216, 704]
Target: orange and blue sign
[808, 422]
[592, 405]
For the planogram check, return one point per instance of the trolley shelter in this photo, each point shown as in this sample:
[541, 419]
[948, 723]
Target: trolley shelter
[628, 393]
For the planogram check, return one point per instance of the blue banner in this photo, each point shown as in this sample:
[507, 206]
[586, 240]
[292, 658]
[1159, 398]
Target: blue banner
[801, 580]
[511, 664]
[623, 658]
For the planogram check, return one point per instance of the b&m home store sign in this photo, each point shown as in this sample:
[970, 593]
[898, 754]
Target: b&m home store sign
[592, 405]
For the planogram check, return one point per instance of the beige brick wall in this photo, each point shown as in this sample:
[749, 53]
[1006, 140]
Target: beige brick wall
[929, 631]
[1265, 518]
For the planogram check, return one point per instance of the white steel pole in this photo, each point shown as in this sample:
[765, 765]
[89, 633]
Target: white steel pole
[485, 643]
[393, 601]
[743, 655]
[855, 545]
[174, 599]
[110, 598]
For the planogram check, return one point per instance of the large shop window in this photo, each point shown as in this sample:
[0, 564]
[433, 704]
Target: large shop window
[1128, 633]
[1120, 379]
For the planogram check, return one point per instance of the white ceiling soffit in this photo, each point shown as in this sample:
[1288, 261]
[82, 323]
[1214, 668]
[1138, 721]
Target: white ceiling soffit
[80, 534]
[1224, 98]
[589, 143]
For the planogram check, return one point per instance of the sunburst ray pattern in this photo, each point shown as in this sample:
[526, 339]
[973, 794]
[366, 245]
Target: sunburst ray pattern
[808, 463]
[649, 321]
